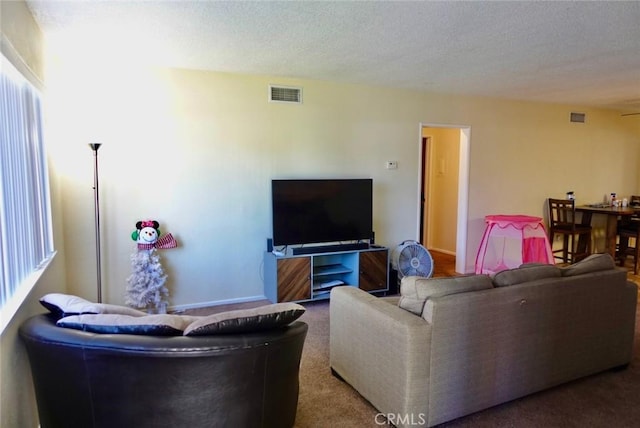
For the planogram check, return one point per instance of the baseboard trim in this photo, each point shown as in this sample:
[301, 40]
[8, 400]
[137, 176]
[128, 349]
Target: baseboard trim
[450, 253]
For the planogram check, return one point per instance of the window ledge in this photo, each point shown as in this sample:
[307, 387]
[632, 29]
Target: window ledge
[11, 307]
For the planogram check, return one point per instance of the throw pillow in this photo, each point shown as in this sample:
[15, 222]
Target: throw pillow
[62, 305]
[153, 325]
[415, 290]
[246, 320]
[593, 263]
[525, 273]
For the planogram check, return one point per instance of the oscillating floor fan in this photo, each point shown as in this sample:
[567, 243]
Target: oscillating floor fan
[410, 258]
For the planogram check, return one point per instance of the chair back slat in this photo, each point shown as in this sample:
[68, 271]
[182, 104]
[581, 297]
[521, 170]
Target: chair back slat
[562, 212]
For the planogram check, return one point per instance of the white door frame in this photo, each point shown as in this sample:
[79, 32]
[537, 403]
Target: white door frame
[463, 190]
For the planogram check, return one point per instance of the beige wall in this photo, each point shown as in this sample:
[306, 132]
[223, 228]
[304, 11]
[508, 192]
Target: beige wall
[22, 43]
[197, 150]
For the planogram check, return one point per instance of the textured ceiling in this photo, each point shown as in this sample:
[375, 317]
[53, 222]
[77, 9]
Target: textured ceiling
[582, 53]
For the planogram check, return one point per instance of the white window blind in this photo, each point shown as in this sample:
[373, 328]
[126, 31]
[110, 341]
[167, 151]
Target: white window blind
[26, 239]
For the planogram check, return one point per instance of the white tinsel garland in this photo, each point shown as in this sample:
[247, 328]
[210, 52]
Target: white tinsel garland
[145, 286]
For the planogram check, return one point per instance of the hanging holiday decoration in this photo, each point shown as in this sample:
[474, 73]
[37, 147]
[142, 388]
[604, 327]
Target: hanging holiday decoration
[145, 285]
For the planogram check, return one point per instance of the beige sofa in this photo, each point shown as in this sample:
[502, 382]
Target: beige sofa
[449, 347]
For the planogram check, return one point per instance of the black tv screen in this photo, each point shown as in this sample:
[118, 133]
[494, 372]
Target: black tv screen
[320, 211]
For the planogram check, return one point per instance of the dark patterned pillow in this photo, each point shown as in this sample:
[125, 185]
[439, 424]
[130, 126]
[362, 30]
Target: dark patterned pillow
[246, 320]
[152, 325]
[62, 305]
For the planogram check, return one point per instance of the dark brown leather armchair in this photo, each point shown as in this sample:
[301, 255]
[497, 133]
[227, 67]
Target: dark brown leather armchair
[89, 380]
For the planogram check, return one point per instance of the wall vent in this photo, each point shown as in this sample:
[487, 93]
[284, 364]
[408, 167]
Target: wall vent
[578, 117]
[285, 94]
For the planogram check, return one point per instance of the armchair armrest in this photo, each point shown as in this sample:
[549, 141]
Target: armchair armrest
[381, 350]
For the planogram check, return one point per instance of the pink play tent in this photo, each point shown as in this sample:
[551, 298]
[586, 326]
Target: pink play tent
[511, 240]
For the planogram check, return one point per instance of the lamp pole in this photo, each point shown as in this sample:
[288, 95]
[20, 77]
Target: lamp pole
[95, 148]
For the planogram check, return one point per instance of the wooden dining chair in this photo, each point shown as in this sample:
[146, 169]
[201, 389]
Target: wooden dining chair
[576, 237]
[629, 233]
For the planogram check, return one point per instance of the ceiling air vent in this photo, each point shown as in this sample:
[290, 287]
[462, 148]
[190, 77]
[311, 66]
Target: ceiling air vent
[578, 117]
[285, 94]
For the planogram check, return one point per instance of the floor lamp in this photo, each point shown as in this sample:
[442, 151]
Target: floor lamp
[95, 148]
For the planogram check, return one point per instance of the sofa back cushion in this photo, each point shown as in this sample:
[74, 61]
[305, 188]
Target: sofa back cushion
[415, 290]
[593, 263]
[525, 273]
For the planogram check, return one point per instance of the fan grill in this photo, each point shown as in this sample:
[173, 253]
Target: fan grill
[412, 259]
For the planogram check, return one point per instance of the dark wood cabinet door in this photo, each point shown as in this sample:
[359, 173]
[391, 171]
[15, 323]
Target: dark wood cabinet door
[373, 270]
[294, 279]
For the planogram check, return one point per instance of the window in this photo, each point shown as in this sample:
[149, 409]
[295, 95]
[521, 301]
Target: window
[26, 239]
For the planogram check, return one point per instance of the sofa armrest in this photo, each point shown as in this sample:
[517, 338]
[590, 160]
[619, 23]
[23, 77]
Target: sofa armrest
[381, 350]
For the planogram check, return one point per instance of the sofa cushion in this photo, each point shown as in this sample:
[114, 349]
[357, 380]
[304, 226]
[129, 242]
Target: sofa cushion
[415, 290]
[62, 305]
[246, 320]
[154, 325]
[525, 273]
[593, 263]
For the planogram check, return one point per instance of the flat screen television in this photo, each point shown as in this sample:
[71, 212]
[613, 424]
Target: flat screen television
[321, 210]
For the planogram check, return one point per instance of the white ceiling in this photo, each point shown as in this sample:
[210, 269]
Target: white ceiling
[582, 53]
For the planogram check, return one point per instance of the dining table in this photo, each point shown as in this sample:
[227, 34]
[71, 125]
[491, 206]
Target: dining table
[613, 213]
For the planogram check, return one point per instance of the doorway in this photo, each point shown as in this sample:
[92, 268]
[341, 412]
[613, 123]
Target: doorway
[443, 184]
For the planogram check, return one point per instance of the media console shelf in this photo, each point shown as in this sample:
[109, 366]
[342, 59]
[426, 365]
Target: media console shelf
[294, 278]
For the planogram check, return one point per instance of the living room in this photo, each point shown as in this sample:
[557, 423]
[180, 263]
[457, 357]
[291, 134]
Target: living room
[196, 150]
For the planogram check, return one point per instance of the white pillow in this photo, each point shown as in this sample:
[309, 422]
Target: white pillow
[63, 305]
